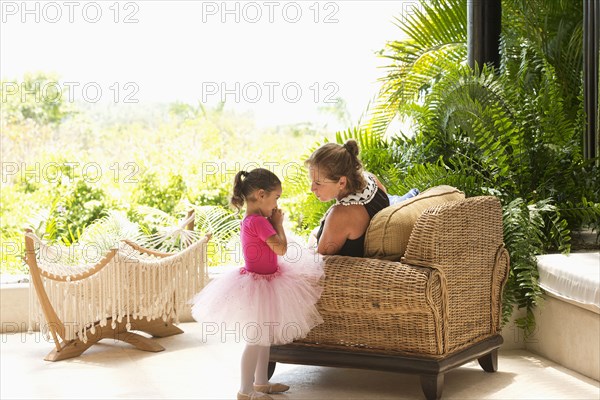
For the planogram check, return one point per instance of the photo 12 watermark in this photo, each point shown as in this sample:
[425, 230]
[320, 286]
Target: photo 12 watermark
[129, 171]
[68, 171]
[410, 8]
[53, 12]
[41, 332]
[230, 252]
[253, 12]
[69, 91]
[270, 92]
[225, 171]
[251, 332]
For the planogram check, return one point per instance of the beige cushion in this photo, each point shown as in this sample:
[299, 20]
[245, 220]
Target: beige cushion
[388, 233]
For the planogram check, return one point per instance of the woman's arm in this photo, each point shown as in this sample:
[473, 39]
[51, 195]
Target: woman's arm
[334, 233]
[342, 223]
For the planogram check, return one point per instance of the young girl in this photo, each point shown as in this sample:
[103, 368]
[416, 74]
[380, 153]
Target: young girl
[271, 300]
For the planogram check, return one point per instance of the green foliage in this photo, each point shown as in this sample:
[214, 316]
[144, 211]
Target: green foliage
[164, 232]
[373, 149]
[166, 157]
[514, 133]
[38, 98]
[224, 225]
[525, 235]
[153, 193]
[436, 41]
[82, 205]
[106, 232]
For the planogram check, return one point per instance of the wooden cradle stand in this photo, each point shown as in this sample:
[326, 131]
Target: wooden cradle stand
[130, 289]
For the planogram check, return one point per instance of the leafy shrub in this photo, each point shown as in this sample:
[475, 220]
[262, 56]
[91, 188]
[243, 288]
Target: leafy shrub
[510, 132]
[151, 192]
[71, 212]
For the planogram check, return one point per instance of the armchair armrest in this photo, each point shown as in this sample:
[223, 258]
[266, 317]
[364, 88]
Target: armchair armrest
[464, 241]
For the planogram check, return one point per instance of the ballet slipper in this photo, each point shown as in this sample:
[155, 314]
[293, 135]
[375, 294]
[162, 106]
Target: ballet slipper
[253, 396]
[272, 388]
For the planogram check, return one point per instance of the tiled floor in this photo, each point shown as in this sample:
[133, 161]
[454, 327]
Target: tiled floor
[193, 368]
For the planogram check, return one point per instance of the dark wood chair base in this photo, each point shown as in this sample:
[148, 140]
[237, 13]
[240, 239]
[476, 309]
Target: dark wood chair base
[489, 362]
[431, 371]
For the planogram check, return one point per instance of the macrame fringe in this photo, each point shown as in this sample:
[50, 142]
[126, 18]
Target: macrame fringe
[132, 285]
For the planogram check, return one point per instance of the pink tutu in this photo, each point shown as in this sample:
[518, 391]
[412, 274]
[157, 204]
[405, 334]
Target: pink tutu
[264, 309]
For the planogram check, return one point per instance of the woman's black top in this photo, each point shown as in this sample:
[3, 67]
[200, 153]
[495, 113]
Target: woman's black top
[356, 247]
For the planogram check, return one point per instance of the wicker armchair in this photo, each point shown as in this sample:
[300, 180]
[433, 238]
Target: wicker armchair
[436, 309]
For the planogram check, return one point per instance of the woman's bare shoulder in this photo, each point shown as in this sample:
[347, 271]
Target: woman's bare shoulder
[347, 214]
[342, 211]
[351, 221]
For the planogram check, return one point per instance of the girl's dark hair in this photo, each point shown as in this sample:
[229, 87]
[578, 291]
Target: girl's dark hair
[245, 183]
[334, 161]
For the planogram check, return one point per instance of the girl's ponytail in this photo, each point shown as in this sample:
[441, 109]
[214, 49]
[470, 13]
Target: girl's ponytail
[237, 199]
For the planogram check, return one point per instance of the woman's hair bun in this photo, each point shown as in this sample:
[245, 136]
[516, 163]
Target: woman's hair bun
[351, 146]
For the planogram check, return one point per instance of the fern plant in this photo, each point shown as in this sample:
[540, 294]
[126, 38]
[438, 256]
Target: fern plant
[514, 133]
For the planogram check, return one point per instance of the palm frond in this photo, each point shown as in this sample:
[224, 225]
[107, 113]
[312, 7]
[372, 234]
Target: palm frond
[106, 232]
[437, 41]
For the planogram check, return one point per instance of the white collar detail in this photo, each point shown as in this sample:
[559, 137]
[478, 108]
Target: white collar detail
[363, 197]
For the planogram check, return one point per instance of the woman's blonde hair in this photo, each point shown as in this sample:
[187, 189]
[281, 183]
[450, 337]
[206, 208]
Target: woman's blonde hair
[335, 160]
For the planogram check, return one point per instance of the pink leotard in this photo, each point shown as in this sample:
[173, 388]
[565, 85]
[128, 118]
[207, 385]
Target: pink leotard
[258, 256]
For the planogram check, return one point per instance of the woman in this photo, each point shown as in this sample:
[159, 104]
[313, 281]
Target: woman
[337, 173]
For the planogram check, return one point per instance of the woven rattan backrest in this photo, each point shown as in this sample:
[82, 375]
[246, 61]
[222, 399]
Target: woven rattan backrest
[464, 240]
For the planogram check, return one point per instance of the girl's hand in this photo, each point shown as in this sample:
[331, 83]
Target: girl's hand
[276, 217]
[277, 242]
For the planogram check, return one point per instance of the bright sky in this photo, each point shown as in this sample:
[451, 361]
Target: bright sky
[280, 59]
